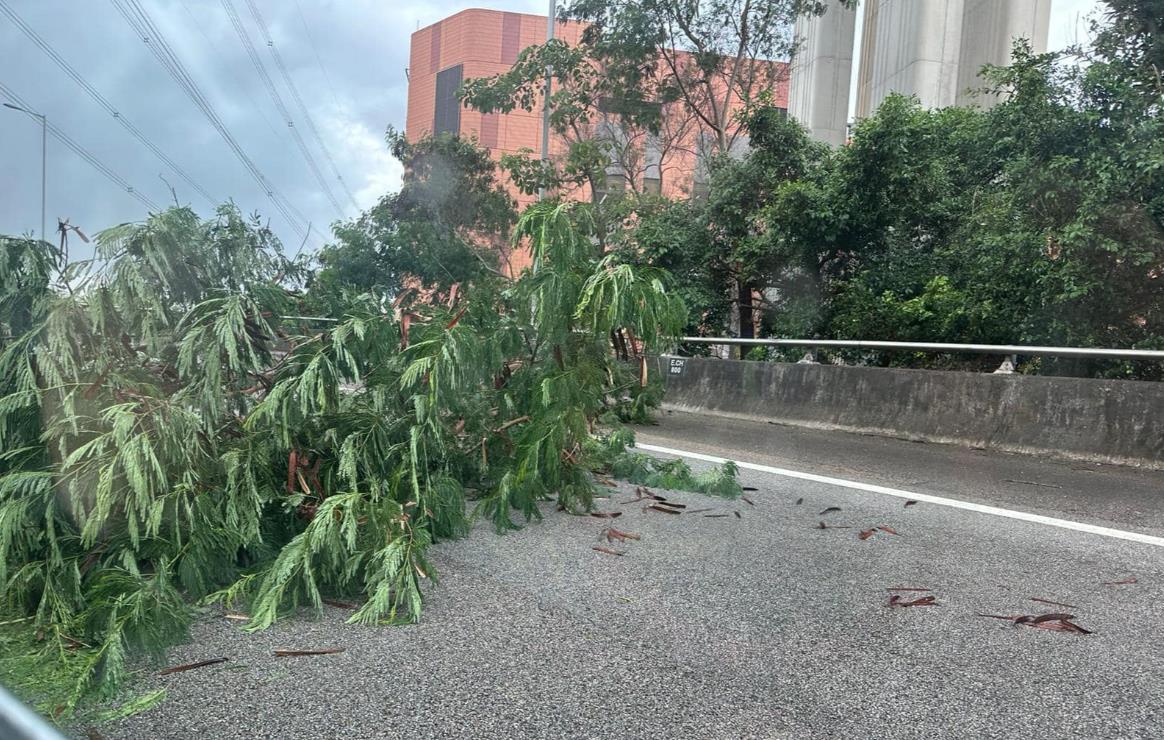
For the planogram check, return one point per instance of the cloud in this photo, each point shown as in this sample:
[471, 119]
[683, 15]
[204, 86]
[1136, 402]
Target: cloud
[346, 58]
[364, 152]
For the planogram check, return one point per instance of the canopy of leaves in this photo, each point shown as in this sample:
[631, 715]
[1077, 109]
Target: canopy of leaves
[169, 436]
[1038, 220]
[713, 55]
[449, 223]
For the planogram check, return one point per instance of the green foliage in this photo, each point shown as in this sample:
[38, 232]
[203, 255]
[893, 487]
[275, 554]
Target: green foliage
[449, 223]
[136, 705]
[43, 678]
[709, 55]
[612, 457]
[1038, 219]
[716, 245]
[169, 437]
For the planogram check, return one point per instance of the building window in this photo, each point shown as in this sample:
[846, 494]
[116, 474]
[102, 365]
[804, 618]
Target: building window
[701, 178]
[613, 186]
[448, 107]
[653, 172]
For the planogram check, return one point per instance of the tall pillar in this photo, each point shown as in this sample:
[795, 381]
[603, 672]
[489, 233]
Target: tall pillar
[989, 30]
[821, 69]
[911, 47]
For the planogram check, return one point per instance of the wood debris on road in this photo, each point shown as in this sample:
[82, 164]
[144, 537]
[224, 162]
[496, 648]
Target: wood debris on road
[284, 653]
[895, 600]
[191, 666]
[611, 534]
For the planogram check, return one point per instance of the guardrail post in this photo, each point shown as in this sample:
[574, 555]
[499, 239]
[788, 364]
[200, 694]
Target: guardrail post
[1007, 366]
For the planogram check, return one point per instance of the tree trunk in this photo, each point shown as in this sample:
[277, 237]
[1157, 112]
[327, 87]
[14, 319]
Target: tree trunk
[747, 314]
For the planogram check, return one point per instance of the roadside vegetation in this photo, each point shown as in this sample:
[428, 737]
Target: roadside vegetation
[1036, 220]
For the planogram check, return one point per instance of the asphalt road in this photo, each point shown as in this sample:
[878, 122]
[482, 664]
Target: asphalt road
[1121, 497]
[761, 625]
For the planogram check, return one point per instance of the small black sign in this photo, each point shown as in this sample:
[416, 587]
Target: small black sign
[677, 365]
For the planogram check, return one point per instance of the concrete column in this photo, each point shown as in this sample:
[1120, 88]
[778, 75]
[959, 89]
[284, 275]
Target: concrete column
[989, 30]
[821, 68]
[911, 47]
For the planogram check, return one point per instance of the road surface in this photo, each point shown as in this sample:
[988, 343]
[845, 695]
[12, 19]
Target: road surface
[761, 625]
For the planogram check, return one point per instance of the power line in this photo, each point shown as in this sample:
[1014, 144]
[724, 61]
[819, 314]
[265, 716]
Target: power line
[101, 100]
[82, 152]
[199, 25]
[298, 99]
[315, 51]
[257, 63]
[140, 20]
[142, 24]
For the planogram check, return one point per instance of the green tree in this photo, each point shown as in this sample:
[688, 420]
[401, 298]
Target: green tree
[169, 436]
[1037, 221]
[713, 56]
[723, 248]
[746, 247]
[449, 223]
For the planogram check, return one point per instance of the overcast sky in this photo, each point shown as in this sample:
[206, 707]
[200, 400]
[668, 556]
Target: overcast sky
[346, 58]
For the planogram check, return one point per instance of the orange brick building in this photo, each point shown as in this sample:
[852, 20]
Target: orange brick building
[482, 43]
[475, 43]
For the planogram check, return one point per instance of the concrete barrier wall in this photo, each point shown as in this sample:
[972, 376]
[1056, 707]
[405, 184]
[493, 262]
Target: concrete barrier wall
[1113, 421]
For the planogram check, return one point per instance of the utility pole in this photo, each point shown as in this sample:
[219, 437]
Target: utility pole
[43, 160]
[546, 102]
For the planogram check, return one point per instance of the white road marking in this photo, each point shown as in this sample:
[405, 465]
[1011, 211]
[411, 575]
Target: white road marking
[1120, 534]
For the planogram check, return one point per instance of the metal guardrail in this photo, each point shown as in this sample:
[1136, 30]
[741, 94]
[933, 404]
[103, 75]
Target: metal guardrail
[18, 722]
[940, 348]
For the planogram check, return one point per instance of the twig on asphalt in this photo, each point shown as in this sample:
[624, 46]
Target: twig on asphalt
[896, 601]
[611, 534]
[192, 666]
[1031, 483]
[281, 653]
